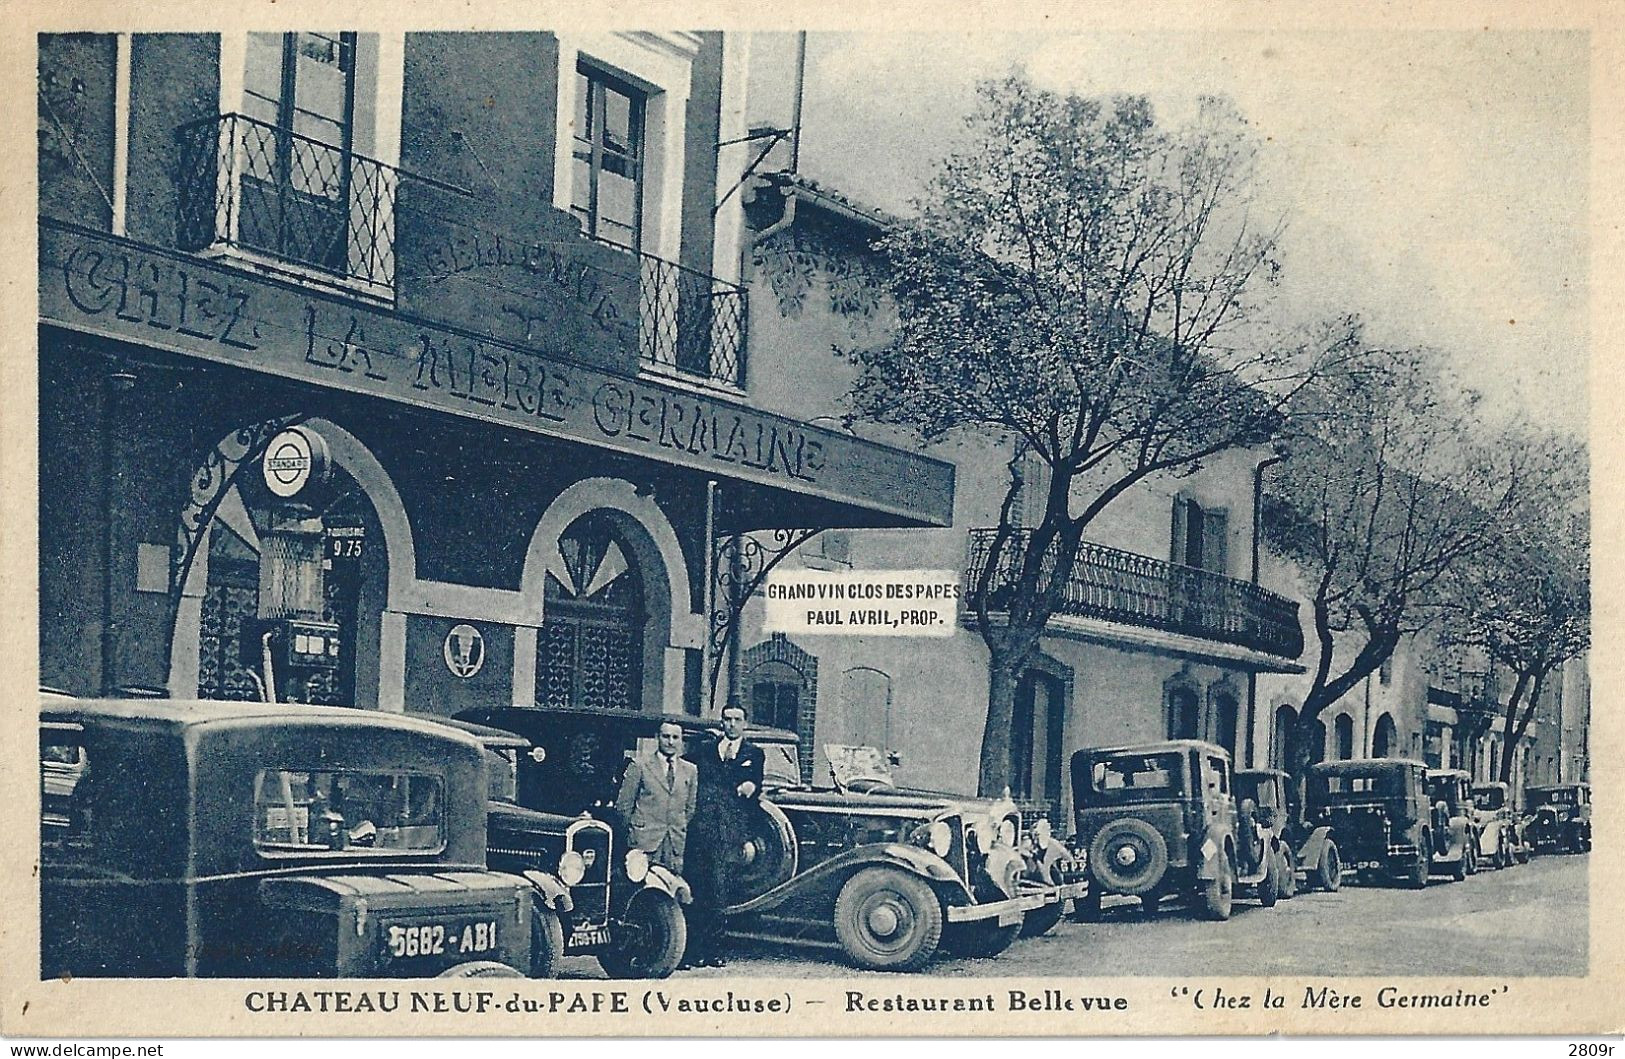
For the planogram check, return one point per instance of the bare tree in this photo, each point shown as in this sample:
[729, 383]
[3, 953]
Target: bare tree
[1081, 283]
[1397, 487]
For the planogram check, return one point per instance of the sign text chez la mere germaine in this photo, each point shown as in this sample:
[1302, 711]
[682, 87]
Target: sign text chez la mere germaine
[94, 282]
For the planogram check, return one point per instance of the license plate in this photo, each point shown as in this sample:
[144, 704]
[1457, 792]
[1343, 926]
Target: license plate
[588, 936]
[455, 937]
[1368, 864]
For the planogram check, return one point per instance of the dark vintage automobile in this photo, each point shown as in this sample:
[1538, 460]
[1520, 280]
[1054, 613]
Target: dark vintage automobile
[1312, 857]
[1454, 831]
[1559, 818]
[1378, 812]
[594, 895]
[1500, 830]
[1160, 820]
[239, 839]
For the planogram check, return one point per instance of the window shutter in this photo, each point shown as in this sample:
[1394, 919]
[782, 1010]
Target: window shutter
[1176, 535]
[1215, 541]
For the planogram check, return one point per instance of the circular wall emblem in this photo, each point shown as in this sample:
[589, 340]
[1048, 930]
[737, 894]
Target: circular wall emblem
[464, 650]
[287, 463]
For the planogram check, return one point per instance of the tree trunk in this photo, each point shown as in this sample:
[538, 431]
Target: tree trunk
[1509, 729]
[1514, 736]
[994, 777]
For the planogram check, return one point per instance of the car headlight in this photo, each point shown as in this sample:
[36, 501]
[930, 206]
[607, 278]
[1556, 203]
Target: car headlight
[572, 868]
[937, 837]
[637, 865]
[984, 832]
[1007, 832]
[1041, 832]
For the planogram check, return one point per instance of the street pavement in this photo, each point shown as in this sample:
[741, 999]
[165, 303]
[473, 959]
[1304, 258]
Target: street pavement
[1530, 919]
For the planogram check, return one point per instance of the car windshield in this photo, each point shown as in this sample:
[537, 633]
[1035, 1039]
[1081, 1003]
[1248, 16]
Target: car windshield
[1355, 786]
[781, 766]
[1258, 788]
[1558, 797]
[357, 812]
[1137, 776]
[1489, 798]
[1444, 789]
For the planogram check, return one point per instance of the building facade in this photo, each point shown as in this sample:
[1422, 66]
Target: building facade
[409, 371]
[1164, 632]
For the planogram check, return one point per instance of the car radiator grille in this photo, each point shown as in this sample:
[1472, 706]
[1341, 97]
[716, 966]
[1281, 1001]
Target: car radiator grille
[590, 896]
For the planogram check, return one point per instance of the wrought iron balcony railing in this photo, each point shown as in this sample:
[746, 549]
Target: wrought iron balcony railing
[690, 323]
[248, 185]
[1130, 589]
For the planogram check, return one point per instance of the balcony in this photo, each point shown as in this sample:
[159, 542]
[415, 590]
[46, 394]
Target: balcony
[1125, 589]
[266, 193]
[307, 208]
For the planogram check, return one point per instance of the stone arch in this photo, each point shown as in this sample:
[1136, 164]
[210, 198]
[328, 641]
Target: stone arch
[1283, 721]
[1343, 747]
[381, 654]
[672, 627]
[777, 656]
[1385, 737]
[1182, 705]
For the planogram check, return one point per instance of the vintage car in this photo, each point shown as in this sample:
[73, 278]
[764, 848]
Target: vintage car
[861, 871]
[594, 895]
[245, 839]
[1559, 818]
[1500, 831]
[1454, 832]
[1160, 820]
[1308, 852]
[1378, 813]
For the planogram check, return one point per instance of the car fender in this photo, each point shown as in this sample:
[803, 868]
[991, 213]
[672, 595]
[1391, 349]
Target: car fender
[667, 882]
[912, 859]
[1052, 853]
[1314, 847]
[554, 894]
[1212, 857]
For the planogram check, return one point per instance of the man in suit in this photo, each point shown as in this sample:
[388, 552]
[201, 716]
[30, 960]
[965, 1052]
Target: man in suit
[730, 782]
[657, 799]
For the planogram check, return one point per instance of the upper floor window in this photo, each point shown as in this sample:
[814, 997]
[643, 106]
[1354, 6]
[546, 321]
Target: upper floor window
[1200, 536]
[607, 174]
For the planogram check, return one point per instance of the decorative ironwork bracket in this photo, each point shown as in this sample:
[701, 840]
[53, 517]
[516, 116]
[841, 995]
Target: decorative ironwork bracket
[741, 563]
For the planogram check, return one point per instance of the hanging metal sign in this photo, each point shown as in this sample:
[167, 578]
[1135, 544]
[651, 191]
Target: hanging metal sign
[292, 460]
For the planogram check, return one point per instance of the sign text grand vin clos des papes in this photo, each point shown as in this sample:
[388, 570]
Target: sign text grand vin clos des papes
[863, 602]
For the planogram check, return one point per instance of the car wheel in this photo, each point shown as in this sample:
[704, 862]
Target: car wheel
[1129, 856]
[888, 920]
[1417, 877]
[1219, 893]
[1330, 868]
[480, 969]
[649, 938]
[1289, 873]
[981, 940]
[1086, 909]
[1269, 887]
[1041, 921]
[546, 941]
[1463, 866]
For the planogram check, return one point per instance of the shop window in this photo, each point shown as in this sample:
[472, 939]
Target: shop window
[776, 703]
[608, 153]
[590, 644]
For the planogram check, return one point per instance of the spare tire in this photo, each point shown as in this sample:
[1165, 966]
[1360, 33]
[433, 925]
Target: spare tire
[764, 855]
[1129, 856]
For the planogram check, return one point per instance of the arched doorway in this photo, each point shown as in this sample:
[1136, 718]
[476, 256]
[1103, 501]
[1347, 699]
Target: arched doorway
[590, 645]
[1184, 712]
[354, 589]
[1343, 736]
[1385, 737]
[1226, 709]
[1281, 736]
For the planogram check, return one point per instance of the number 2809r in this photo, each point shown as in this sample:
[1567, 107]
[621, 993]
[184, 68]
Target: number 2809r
[433, 939]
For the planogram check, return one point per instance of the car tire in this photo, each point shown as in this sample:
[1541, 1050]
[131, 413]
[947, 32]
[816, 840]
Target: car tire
[1218, 894]
[546, 941]
[888, 920]
[480, 969]
[1416, 876]
[1143, 843]
[981, 940]
[1463, 865]
[1269, 887]
[1329, 869]
[1289, 873]
[1041, 921]
[651, 939]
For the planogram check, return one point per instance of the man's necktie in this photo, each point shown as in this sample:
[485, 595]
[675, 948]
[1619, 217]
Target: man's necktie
[671, 774]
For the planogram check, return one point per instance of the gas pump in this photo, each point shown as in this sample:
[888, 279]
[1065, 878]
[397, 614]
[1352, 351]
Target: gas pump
[289, 642]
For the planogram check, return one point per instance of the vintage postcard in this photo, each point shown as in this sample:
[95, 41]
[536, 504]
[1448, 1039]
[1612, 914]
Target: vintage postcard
[966, 521]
